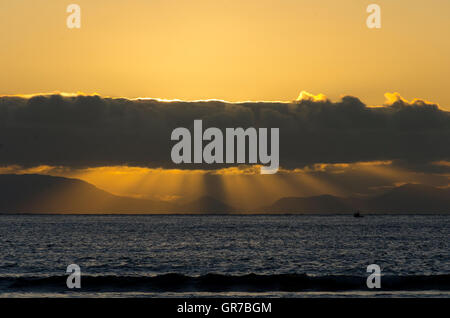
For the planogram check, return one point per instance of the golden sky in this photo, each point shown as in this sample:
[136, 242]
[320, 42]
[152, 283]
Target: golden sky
[227, 49]
[234, 50]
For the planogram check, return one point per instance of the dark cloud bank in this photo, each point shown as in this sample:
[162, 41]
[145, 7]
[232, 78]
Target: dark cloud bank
[89, 131]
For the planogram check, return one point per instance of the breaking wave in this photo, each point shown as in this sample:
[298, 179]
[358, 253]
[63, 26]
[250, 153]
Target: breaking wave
[224, 283]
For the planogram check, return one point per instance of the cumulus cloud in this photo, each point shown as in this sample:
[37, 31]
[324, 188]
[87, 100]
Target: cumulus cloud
[91, 131]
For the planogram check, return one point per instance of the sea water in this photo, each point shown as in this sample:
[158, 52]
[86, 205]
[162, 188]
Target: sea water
[209, 255]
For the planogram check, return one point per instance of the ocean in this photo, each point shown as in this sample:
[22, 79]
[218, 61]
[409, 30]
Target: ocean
[224, 255]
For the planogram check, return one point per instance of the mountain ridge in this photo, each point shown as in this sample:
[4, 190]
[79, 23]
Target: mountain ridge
[408, 198]
[35, 193]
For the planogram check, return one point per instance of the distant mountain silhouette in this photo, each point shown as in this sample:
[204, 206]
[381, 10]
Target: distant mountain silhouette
[34, 193]
[206, 204]
[409, 198]
[319, 204]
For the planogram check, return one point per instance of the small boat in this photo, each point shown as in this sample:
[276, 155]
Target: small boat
[357, 214]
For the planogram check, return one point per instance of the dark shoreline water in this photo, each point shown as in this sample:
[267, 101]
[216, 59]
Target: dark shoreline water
[245, 254]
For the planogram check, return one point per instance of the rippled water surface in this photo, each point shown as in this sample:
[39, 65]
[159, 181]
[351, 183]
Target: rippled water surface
[43, 246]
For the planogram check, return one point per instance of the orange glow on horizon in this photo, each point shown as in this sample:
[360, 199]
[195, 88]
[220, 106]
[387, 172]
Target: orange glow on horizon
[241, 186]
